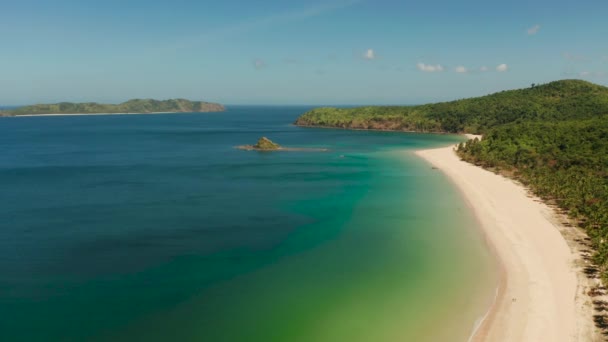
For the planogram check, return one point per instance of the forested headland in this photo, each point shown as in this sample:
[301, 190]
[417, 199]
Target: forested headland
[132, 106]
[560, 100]
[551, 137]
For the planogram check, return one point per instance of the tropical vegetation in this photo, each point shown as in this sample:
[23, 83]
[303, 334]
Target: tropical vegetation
[560, 100]
[565, 162]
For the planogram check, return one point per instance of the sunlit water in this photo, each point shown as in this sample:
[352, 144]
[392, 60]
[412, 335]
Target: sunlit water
[153, 227]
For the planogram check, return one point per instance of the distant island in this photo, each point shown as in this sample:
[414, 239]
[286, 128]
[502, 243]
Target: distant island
[136, 106]
[266, 145]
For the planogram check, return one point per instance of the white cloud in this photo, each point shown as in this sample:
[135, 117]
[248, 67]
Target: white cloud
[369, 55]
[259, 64]
[429, 67]
[533, 30]
[584, 73]
[461, 69]
[483, 69]
[502, 68]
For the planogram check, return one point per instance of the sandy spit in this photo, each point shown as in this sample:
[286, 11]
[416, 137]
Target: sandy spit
[540, 292]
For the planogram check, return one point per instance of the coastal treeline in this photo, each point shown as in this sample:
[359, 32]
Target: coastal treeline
[564, 162]
[131, 106]
[560, 100]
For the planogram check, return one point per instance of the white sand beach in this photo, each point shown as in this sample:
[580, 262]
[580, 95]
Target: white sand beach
[540, 293]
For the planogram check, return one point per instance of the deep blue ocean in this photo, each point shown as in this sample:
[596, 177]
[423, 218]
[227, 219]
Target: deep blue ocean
[154, 227]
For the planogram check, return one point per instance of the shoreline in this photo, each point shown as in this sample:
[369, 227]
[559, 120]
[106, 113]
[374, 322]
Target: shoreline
[375, 130]
[85, 114]
[541, 293]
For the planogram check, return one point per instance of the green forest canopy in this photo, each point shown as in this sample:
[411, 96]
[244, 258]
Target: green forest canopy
[562, 161]
[560, 100]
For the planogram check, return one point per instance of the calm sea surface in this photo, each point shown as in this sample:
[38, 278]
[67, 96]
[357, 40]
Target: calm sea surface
[153, 227]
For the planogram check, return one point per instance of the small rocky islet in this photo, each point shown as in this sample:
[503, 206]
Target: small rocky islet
[266, 145]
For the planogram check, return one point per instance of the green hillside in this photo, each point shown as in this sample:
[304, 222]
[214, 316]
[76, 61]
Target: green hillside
[131, 106]
[560, 100]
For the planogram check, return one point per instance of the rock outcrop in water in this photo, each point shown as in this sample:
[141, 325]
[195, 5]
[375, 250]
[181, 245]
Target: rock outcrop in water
[264, 144]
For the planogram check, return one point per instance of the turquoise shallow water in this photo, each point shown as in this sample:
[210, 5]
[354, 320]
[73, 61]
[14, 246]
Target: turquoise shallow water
[156, 228]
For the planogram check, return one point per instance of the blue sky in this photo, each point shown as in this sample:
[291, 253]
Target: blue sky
[294, 52]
